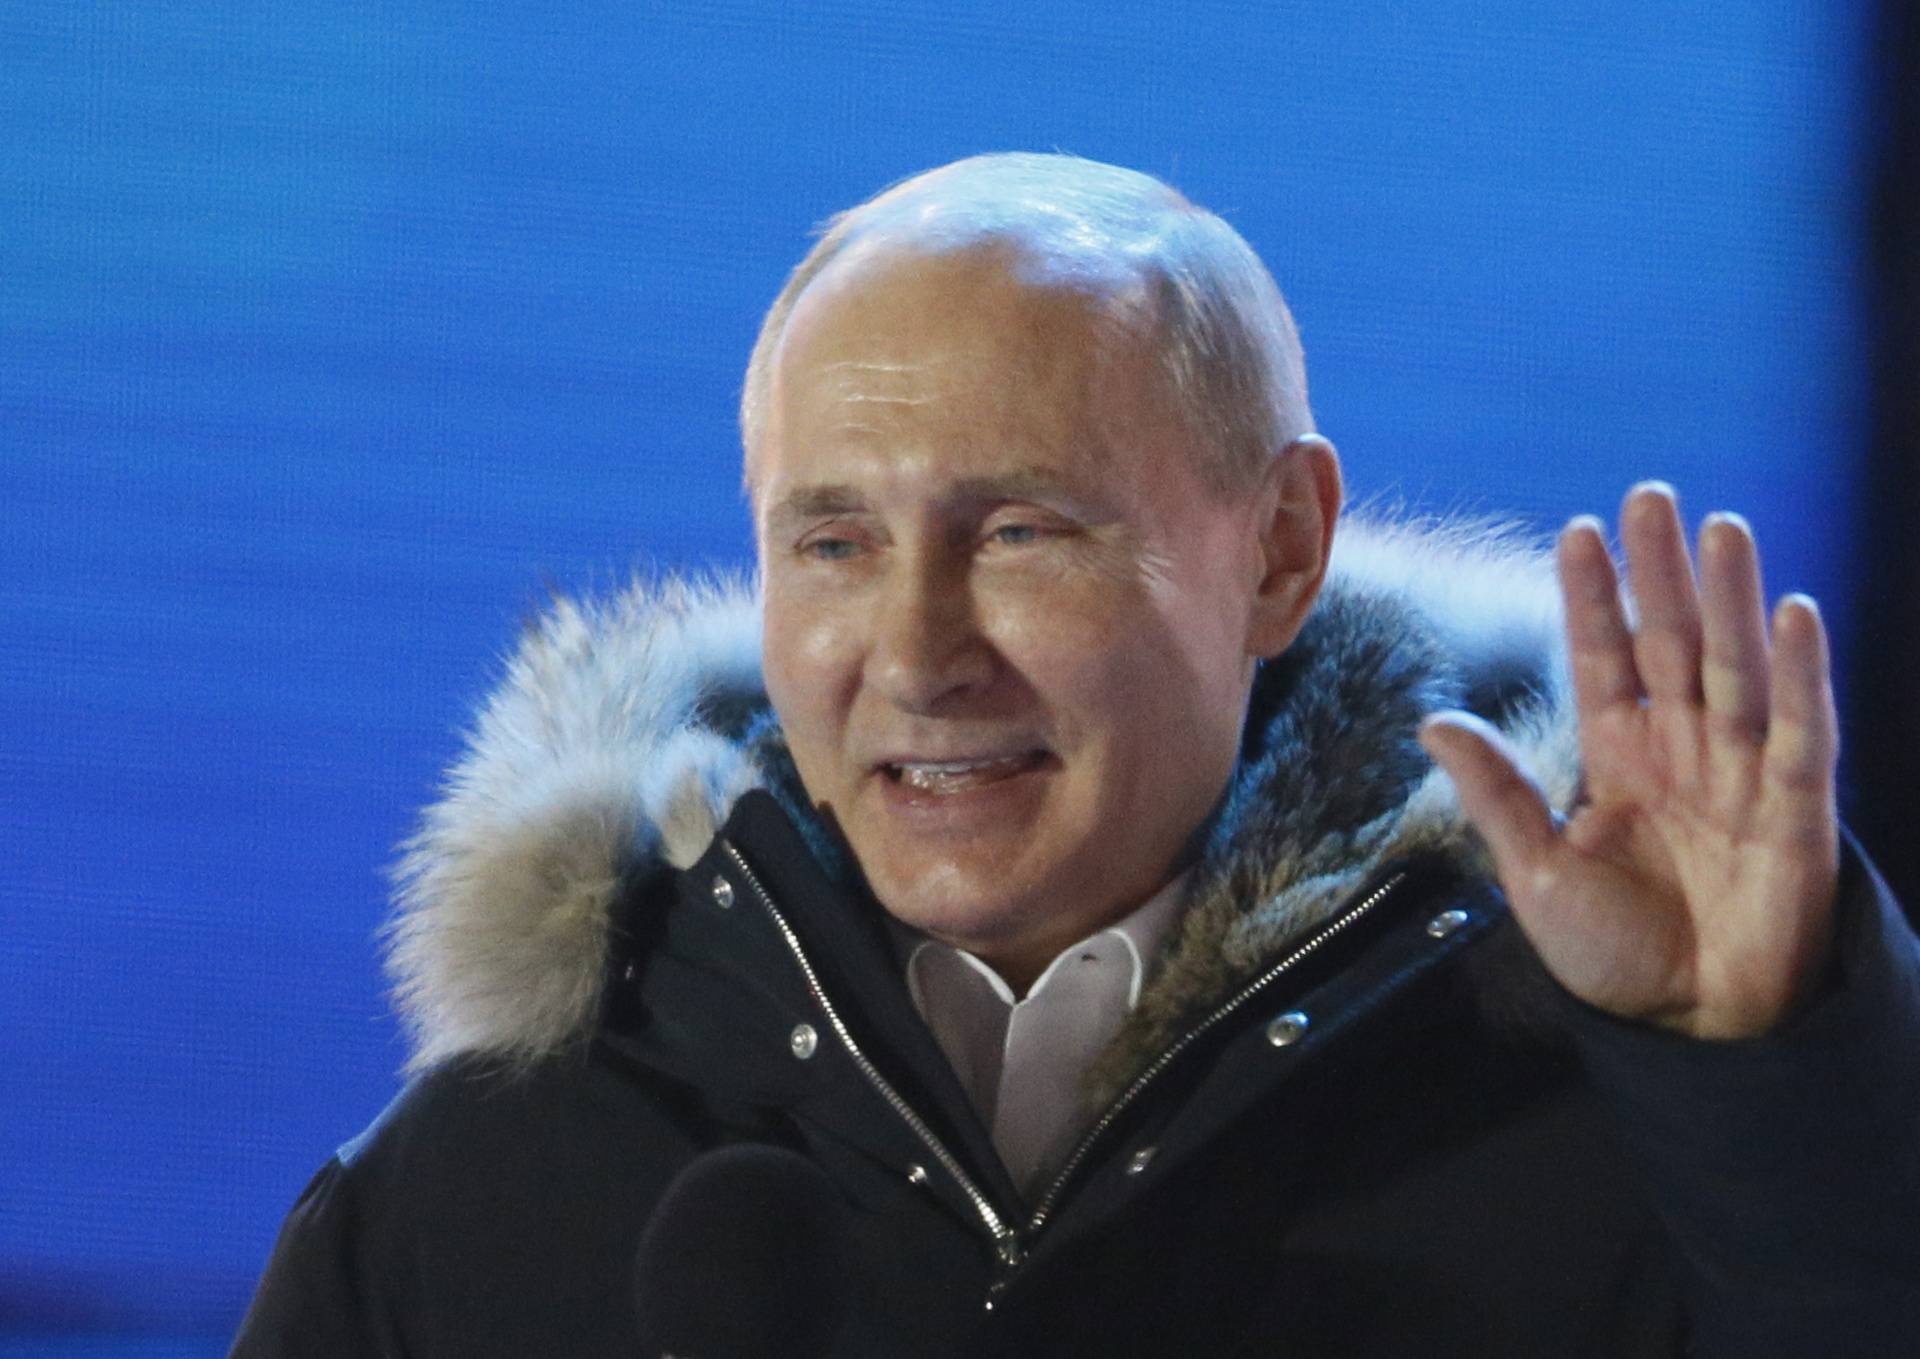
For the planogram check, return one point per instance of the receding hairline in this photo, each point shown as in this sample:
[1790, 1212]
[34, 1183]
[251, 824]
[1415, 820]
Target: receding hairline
[1088, 226]
[1109, 297]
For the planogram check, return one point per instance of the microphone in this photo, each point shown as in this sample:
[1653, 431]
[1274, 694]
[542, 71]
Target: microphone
[744, 1258]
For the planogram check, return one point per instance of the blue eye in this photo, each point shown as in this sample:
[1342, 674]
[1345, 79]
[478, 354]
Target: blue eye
[1016, 535]
[830, 549]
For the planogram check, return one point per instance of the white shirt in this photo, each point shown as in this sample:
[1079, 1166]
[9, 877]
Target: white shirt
[1021, 1061]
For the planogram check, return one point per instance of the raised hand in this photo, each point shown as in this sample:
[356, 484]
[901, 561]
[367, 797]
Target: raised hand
[1693, 887]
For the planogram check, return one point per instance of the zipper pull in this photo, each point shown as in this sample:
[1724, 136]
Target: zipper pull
[1010, 1254]
[1009, 1250]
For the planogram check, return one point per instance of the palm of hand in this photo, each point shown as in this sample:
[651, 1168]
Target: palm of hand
[1693, 886]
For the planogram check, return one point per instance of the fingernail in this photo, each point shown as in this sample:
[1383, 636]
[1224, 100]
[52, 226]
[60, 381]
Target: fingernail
[1655, 487]
[1723, 544]
[1803, 601]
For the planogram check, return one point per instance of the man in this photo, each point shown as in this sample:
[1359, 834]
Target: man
[1079, 899]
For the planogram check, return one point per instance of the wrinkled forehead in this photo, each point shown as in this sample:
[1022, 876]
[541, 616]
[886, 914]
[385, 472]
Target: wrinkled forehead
[990, 304]
[898, 363]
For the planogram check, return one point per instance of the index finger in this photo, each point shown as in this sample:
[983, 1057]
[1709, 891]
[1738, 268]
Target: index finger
[1599, 643]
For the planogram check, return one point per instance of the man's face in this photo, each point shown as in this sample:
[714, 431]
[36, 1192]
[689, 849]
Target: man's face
[1007, 627]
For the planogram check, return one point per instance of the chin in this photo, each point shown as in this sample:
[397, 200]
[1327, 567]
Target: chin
[968, 908]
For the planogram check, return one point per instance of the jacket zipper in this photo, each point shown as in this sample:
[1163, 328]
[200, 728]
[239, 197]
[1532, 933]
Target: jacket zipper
[1008, 1244]
[1006, 1240]
[1305, 949]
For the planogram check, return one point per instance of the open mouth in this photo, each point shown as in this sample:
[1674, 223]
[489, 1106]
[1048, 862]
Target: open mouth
[945, 777]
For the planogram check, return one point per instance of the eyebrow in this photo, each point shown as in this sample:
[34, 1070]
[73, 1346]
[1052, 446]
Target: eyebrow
[1021, 483]
[823, 500]
[814, 502]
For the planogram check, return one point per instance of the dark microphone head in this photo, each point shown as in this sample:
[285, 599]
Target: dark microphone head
[744, 1258]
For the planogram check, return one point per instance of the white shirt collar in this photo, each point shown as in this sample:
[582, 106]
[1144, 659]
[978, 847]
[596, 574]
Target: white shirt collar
[1021, 1060]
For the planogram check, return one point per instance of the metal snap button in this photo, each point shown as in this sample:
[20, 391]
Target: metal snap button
[1446, 923]
[722, 891]
[1287, 1029]
[1140, 1160]
[803, 1041]
[917, 1174]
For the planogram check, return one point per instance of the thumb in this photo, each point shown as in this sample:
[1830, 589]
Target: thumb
[1503, 804]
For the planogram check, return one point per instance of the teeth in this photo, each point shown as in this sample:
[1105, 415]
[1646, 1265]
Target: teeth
[951, 776]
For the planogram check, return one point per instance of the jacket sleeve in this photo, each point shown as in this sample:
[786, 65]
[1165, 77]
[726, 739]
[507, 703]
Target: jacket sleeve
[1787, 1167]
[318, 1296]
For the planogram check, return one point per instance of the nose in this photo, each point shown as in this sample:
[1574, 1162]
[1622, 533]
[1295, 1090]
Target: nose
[927, 652]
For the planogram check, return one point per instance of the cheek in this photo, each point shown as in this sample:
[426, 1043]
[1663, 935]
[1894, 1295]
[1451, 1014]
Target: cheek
[1094, 661]
[806, 658]
[1158, 688]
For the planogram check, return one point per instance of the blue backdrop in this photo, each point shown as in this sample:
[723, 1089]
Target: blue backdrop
[332, 335]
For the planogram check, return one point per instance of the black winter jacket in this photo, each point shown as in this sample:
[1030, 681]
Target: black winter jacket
[1351, 1114]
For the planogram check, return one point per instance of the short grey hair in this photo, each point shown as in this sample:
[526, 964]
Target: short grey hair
[1228, 344]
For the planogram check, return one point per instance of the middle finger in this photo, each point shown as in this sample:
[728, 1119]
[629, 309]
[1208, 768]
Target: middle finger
[1666, 639]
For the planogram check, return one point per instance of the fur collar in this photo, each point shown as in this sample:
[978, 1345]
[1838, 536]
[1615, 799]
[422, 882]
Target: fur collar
[615, 741]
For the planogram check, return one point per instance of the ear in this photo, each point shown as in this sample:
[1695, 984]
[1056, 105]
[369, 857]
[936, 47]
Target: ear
[1299, 504]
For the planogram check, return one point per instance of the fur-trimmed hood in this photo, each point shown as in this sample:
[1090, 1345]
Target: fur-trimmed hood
[624, 729]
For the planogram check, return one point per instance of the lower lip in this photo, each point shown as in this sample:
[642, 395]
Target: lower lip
[1007, 795]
